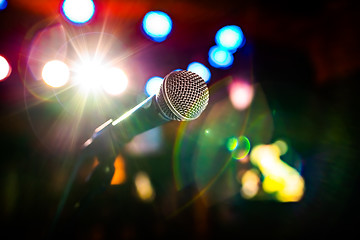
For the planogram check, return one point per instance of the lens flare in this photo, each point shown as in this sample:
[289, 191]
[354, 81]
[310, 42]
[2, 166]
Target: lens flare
[89, 75]
[78, 11]
[5, 68]
[232, 144]
[157, 25]
[55, 73]
[242, 148]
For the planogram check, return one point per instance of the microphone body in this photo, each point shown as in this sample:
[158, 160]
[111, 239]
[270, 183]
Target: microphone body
[115, 133]
[183, 96]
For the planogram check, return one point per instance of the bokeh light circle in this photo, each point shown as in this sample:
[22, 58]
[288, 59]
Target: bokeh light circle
[157, 25]
[3, 4]
[241, 94]
[220, 57]
[78, 11]
[5, 68]
[230, 37]
[55, 73]
[200, 69]
[153, 85]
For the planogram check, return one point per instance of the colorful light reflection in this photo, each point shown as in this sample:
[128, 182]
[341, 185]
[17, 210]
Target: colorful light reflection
[242, 148]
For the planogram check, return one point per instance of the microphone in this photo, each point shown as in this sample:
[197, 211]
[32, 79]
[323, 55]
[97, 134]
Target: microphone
[183, 96]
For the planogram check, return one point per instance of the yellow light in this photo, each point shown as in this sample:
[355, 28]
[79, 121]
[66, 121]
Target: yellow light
[115, 81]
[250, 184]
[272, 184]
[55, 73]
[293, 189]
[281, 179]
[143, 187]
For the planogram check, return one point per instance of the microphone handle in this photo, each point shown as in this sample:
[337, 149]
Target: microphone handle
[115, 133]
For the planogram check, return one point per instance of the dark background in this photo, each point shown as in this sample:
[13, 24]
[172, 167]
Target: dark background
[304, 55]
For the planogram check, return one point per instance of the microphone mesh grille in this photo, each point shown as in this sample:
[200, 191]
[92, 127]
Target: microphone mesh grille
[183, 96]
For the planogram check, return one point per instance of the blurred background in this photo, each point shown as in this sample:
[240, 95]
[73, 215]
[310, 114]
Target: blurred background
[273, 155]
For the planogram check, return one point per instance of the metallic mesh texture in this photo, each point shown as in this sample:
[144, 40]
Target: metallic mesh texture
[183, 96]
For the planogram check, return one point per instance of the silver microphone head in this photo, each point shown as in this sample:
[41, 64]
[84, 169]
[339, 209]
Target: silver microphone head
[183, 96]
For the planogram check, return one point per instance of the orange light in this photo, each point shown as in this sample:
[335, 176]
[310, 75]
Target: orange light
[119, 174]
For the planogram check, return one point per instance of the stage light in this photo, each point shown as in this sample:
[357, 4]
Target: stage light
[55, 73]
[230, 37]
[157, 25]
[78, 11]
[89, 76]
[220, 57]
[115, 81]
[3, 4]
[153, 85]
[200, 69]
[5, 68]
[241, 94]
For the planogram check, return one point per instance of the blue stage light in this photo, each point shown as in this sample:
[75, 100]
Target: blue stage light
[3, 4]
[200, 69]
[157, 25]
[220, 57]
[230, 37]
[78, 11]
[153, 85]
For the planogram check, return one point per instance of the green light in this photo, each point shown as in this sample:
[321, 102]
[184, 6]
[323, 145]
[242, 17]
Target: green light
[207, 131]
[242, 149]
[232, 144]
